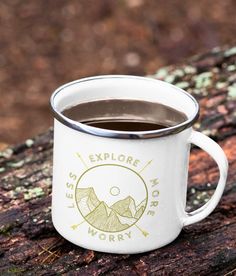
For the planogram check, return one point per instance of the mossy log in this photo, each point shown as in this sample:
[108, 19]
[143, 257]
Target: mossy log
[29, 244]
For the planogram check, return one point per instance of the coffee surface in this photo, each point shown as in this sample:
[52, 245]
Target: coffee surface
[126, 125]
[125, 115]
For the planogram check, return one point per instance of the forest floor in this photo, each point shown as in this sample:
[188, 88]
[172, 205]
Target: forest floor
[44, 44]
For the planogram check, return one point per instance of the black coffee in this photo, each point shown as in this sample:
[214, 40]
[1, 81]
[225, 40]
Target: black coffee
[126, 125]
[125, 115]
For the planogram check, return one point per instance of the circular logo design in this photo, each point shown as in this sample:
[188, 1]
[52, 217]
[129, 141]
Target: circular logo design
[111, 197]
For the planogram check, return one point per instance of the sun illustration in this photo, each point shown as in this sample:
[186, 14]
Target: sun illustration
[114, 191]
[111, 197]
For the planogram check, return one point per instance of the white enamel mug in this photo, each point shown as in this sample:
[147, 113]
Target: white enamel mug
[120, 191]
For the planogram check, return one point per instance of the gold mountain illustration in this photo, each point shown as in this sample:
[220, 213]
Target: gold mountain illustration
[125, 207]
[117, 217]
[140, 209]
[105, 218]
[87, 200]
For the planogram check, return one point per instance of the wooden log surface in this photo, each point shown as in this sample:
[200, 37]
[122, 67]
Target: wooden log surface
[29, 244]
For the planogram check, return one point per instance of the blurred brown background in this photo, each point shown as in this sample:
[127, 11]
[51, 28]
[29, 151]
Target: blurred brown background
[44, 44]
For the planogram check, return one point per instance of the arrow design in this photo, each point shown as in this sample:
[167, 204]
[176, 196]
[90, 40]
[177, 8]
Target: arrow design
[75, 226]
[82, 160]
[148, 163]
[145, 233]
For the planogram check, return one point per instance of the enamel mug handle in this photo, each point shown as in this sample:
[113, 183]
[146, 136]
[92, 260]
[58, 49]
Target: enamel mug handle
[216, 152]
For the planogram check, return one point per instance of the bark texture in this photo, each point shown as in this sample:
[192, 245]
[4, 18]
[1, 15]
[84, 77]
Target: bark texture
[29, 244]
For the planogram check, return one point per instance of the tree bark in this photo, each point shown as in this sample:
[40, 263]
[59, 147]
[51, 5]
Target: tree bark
[29, 244]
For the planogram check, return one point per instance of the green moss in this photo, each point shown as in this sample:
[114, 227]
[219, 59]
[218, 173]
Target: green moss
[16, 270]
[48, 182]
[161, 73]
[190, 70]
[29, 143]
[231, 68]
[2, 169]
[16, 164]
[203, 80]
[232, 92]
[7, 153]
[170, 78]
[202, 92]
[5, 229]
[33, 193]
[178, 73]
[207, 132]
[17, 191]
[221, 85]
[230, 52]
[182, 85]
